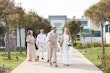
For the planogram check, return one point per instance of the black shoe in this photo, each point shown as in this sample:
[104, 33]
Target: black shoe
[38, 57]
[56, 65]
[47, 60]
[29, 60]
[42, 58]
[54, 62]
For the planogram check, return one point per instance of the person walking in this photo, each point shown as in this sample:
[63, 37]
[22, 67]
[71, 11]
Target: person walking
[52, 39]
[66, 43]
[40, 42]
[13, 41]
[31, 51]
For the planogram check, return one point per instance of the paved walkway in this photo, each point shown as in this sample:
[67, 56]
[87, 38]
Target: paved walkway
[79, 65]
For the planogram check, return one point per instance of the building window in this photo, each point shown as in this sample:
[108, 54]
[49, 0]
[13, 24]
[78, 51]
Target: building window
[84, 23]
[58, 25]
[106, 28]
[95, 34]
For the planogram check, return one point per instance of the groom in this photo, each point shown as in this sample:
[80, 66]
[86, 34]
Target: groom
[52, 39]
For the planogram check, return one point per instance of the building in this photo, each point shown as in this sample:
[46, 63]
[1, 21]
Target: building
[107, 33]
[59, 22]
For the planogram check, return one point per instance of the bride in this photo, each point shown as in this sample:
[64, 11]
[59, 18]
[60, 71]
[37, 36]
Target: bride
[65, 44]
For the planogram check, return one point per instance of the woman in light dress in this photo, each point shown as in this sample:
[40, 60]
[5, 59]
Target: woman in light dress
[31, 51]
[13, 41]
[65, 41]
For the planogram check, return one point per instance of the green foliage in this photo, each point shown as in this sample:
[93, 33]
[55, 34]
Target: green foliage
[13, 63]
[74, 27]
[36, 22]
[78, 45]
[107, 61]
[107, 45]
[95, 44]
[87, 45]
[83, 34]
[96, 56]
[91, 32]
[99, 12]
[2, 30]
[15, 16]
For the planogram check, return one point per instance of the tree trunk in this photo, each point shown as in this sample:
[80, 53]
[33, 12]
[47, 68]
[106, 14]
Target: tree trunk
[8, 48]
[91, 43]
[103, 48]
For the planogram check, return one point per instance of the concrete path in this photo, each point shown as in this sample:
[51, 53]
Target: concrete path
[79, 65]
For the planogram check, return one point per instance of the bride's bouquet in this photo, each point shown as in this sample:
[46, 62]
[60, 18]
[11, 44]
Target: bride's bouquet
[69, 44]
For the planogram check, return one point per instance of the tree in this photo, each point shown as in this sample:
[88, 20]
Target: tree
[36, 22]
[8, 15]
[99, 14]
[91, 34]
[83, 35]
[6, 7]
[74, 27]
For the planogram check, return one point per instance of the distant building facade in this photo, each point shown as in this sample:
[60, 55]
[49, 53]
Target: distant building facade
[59, 22]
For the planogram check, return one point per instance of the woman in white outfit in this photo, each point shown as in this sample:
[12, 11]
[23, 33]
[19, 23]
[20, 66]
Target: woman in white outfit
[66, 43]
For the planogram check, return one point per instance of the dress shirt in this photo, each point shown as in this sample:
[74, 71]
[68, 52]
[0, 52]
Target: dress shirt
[41, 38]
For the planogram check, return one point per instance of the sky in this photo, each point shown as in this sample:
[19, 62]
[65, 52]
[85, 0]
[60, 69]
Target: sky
[57, 7]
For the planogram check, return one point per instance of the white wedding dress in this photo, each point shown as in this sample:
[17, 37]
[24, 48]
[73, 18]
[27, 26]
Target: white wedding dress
[66, 58]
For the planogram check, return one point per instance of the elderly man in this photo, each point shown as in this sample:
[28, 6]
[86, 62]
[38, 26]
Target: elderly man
[40, 42]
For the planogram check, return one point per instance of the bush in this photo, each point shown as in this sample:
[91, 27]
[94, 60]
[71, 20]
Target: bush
[79, 45]
[107, 59]
[107, 70]
[95, 44]
[87, 45]
[107, 45]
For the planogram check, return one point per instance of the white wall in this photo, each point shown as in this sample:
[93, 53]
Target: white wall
[108, 37]
[22, 30]
[88, 39]
[59, 30]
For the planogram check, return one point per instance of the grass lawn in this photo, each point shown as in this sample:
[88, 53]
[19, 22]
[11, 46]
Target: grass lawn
[93, 57]
[13, 63]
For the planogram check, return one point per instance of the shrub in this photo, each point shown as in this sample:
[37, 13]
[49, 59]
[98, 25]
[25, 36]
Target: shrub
[87, 45]
[95, 44]
[107, 68]
[107, 45]
[79, 46]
